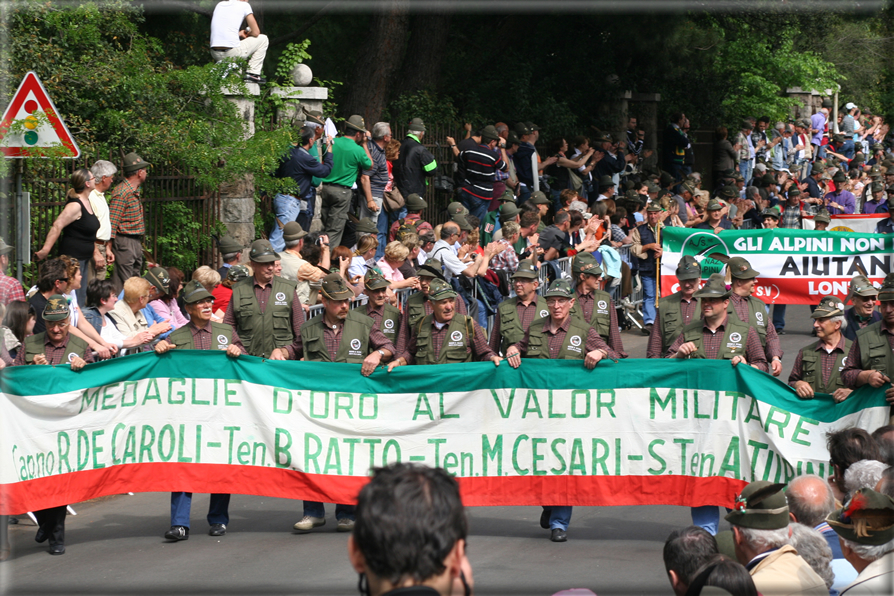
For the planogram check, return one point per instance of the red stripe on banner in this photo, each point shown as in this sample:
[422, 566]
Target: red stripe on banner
[75, 487]
[787, 290]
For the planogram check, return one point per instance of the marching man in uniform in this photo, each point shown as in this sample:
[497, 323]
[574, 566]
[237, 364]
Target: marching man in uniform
[54, 346]
[201, 333]
[677, 310]
[560, 336]
[818, 366]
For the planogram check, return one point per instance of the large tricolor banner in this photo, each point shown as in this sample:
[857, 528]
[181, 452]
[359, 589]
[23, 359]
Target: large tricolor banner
[795, 266]
[864, 224]
[626, 433]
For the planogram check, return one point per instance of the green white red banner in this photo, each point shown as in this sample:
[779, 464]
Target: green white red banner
[795, 266]
[670, 432]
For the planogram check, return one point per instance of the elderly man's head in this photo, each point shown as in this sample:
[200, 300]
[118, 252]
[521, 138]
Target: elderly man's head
[810, 500]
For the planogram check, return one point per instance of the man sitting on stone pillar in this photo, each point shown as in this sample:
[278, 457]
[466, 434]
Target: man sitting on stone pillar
[229, 41]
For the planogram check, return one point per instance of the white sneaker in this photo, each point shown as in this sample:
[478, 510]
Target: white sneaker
[308, 523]
[345, 525]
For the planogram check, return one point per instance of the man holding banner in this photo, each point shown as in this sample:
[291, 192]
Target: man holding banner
[677, 310]
[886, 226]
[818, 367]
[201, 333]
[717, 336]
[444, 336]
[871, 359]
[560, 337]
[53, 347]
[514, 315]
[340, 335]
[752, 311]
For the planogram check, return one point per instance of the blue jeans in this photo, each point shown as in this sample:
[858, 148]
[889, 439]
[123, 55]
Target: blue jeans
[648, 298]
[217, 509]
[848, 149]
[287, 209]
[476, 206]
[557, 203]
[745, 170]
[306, 217]
[559, 517]
[315, 509]
[707, 517]
[382, 226]
[779, 316]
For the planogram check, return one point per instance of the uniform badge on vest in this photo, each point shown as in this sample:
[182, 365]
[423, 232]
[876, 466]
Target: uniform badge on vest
[389, 324]
[575, 342]
[736, 337]
[760, 318]
[734, 341]
[355, 344]
[72, 356]
[544, 313]
[488, 228]
[456, 336]
[222, 340]
[602, 304]
[280, 296]
[843, 364]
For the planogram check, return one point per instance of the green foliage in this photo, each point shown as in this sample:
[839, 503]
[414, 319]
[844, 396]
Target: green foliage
[294, 54]
[423, 104]
[330, 107]
[181, 242]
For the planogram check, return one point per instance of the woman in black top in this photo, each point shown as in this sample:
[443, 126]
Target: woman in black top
[77, 225]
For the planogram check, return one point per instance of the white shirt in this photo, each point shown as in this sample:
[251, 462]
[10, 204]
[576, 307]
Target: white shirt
[101, 211]
[452, 265]
[225, 23]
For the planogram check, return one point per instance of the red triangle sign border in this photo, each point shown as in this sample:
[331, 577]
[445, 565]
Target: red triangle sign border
[31, 84]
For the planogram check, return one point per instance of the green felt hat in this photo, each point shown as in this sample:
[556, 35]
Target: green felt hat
[585, 262]
[525, 270]
[867, 518]
[822, 216]
[829, 306]
[238, 273]
[336, 288]
[262, 252]
[56, 308]
[374, 280]
[158, 277]
[715, 287]
[740, 268]
[886, 292]
[194, 291]
[440, 290]
[561, 288]
[761, 505]
[688, 268]
[539, 198]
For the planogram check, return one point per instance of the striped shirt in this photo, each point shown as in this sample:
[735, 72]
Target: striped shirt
[481, 163]
[125, 211]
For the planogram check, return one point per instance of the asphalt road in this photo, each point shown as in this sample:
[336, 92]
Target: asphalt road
[115, 545]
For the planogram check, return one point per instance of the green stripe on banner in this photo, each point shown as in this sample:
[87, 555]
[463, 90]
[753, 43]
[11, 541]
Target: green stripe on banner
[535, 374]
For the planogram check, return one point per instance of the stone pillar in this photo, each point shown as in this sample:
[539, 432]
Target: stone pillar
[237, 198]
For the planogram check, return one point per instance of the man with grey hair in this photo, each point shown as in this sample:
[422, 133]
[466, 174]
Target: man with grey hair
[865, 525]
[818, 367]
[104, 172]
[810, 501]
[865, 473]
[373, 182]
[813, 548]
[761, 533]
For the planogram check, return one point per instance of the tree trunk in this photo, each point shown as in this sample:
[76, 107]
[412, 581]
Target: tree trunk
[377, 62]
[422, 66]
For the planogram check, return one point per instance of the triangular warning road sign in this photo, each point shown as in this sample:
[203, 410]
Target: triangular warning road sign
[36, 133]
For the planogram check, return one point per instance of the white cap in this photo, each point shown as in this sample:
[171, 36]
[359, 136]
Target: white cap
[850, 105]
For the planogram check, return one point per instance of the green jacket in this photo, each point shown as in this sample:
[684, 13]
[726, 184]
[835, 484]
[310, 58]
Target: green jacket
[390, 325]
[573, 348]
[260, 332]
[734, 340]
[672, 319]
[811, 369]
[221, 337]
[354, 344]
[457, 344]
[601, 317]
[757, 317]
[875, 353]
[35, 344]
[511, 331]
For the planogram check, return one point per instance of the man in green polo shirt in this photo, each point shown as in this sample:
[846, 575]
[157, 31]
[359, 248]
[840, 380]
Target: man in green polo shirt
[349, 157]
